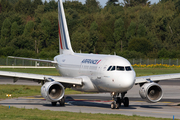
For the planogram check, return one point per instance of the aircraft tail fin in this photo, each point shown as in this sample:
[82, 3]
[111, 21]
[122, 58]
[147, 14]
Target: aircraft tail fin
[64, 39]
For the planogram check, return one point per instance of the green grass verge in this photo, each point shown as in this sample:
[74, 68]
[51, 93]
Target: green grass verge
[155, 71]
[26, 90]
[35, 114]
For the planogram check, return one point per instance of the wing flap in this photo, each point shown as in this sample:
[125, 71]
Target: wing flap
[37, 77]
[144, 79]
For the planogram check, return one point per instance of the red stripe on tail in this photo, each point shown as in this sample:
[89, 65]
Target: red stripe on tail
[60, 37]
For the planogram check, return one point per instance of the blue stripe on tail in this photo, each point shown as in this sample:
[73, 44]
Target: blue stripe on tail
[62, 27]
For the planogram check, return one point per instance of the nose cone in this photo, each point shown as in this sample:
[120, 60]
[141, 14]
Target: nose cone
[124, 81]
[127, 80]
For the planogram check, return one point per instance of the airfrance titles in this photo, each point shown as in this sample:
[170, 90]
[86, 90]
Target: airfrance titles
[90, 61]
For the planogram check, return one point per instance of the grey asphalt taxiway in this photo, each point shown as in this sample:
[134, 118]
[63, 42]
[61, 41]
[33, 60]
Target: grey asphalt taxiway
[100, 103]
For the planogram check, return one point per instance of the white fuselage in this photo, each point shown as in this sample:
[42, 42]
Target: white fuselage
[97, 68]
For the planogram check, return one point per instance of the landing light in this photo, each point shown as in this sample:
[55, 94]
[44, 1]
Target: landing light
[8, 95]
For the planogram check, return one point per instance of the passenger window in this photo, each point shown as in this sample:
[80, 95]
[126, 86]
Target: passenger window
[113, 68]
[128, 68]
[109, 68]
[120, 68]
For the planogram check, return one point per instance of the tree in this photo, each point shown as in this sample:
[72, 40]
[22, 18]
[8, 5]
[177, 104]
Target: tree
[140, 45]
[6, 6]
[111, 2]
[28, 28]
[5, 32]
[131, 31]
[36, 3]
[92, 5]
[93, 36]
[119, 32]
[177, 6]
[20, 7]
[28, 7]
[131, 3]
[141, 32]
[80, 39]
[51, 5]
[14, 30]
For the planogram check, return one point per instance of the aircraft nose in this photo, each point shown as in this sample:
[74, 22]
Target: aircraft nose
[127, 80]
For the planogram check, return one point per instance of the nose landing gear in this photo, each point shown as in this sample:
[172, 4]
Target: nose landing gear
[117, 100]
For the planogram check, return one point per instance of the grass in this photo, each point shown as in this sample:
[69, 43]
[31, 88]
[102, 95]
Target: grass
[35, 114]
[26, 90]
[155, 71]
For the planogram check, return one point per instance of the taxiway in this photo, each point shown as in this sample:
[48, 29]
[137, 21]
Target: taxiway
[100, 103]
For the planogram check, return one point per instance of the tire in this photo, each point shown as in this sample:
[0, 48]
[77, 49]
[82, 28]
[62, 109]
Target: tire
[113, 105]
[126, 102]
[119, 101]
[53, 103]
[62, 102]
[117, 106]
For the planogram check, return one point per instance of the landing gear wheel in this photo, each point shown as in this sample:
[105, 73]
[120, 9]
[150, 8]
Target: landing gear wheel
[53, 103]
[126, 102]
[118, 102]
[62, 102]
[113, 105]
[117, 106]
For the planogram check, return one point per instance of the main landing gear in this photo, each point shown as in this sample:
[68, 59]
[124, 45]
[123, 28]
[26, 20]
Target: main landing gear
[118, 100]
[61, 102]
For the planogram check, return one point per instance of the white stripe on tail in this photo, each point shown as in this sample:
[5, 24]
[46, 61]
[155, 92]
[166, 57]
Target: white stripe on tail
[64, 39]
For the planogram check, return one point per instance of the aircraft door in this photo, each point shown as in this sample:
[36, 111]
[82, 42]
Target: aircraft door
[101, 68]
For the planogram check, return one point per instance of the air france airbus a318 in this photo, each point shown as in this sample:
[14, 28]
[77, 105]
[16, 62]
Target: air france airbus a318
[91, 73]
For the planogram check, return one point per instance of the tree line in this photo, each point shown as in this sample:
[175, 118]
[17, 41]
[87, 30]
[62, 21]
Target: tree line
[132, 29]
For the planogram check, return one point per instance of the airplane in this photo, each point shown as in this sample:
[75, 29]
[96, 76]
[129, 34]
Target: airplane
[91, 73]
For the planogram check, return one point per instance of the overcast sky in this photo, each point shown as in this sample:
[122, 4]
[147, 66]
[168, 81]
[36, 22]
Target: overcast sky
[103, 2]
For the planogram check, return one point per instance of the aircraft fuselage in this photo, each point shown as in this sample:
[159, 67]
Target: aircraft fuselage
[108, 73]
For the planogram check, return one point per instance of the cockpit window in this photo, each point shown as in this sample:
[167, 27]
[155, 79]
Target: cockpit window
[120, 68]
[128, 68]
[113, 68]
[109, 68]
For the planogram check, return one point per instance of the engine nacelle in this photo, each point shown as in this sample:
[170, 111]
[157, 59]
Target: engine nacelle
[151, 92]
[87, 86]
[52, 91]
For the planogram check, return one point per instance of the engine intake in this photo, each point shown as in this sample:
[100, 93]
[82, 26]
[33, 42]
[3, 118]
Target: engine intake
[151, 92]
[52, 91]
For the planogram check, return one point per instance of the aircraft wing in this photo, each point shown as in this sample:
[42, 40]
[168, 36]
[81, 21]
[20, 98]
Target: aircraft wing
[40, 78]
[155, 78]
[32, 59]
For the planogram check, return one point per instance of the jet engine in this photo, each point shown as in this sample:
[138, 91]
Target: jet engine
[52, 91]
[151, 92]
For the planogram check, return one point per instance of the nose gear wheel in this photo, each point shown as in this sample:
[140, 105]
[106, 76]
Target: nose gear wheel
[118, 100]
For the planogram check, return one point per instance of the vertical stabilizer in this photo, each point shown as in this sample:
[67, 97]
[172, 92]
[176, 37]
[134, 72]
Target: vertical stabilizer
[64, 39]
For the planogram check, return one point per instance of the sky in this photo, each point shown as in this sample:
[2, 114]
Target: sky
[103, 2]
